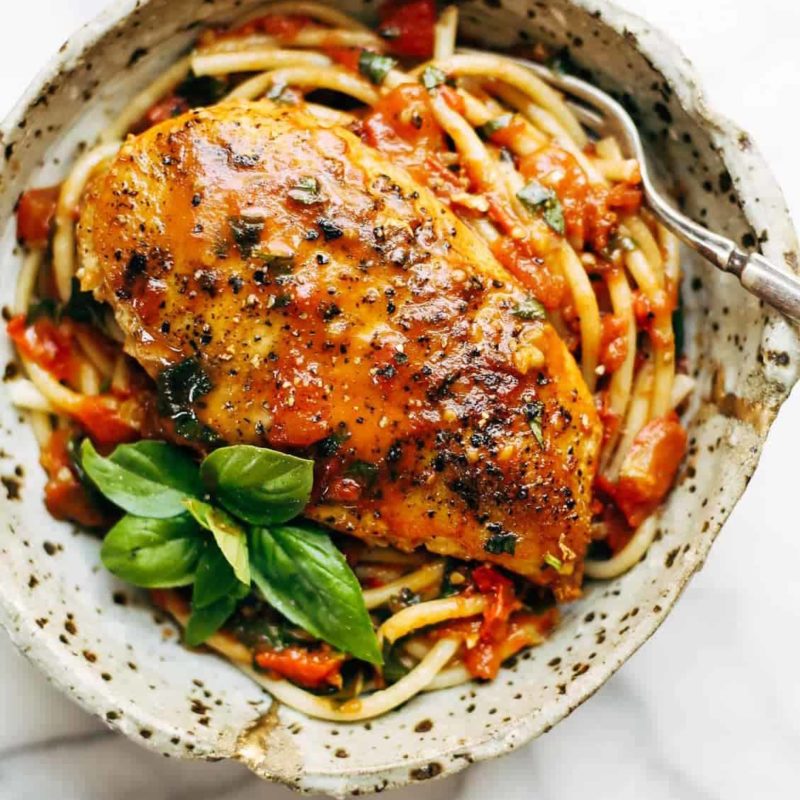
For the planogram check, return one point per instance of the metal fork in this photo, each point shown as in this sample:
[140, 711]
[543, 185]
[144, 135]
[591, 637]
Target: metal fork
[604, 116]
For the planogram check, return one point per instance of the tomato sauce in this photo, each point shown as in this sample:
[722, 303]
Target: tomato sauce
[408, 27]
[169, 107]
[613, 342]
[65, 496]
[46, 344]
[35, 214]
[587, 215]
[649, 469]
[310, 668]
[402, 126]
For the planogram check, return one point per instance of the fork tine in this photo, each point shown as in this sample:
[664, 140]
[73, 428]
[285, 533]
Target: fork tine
[589, 118]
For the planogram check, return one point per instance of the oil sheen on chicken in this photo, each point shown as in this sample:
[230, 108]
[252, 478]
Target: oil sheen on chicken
[336, 308]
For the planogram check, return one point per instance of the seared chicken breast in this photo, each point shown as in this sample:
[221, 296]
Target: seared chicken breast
[291, 288]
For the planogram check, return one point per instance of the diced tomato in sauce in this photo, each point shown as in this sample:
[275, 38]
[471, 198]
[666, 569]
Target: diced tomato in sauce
[408, 27]
[517, 256]
[506, 136]
[343, 490]
[625, 198]
[310, 668]
[282, 26]
[102, 416]
[402, 126]
[613, 342]
[649, 468]
[609, 420]
[486, 648]
[586, 214]
[35, 214]
[499, 591]
[48, 345]
[169, 107]
[523, 630]
[64, 495]
[348, 57]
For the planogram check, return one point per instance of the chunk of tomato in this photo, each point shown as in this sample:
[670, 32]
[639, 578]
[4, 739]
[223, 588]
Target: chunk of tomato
[407, 26]
[35, 214]
[311, 668]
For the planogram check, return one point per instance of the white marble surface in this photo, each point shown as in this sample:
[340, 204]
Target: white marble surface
[709, 708]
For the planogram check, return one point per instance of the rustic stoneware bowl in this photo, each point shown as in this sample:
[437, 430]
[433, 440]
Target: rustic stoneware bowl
[106, 647]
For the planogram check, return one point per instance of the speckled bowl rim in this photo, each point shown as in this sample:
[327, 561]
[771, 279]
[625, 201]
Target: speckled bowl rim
[741, 159]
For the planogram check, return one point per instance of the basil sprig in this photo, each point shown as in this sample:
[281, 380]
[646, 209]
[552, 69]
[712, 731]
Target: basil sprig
[220, 527]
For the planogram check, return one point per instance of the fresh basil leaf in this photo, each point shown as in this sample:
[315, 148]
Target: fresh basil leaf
[180, 387]
[305, 191]
[214, 577]
[304, 576]
[375, 66]
[153, 553]
[229, 535]
[205, 622]
[540, 199]
[47, 308]
[259, 485]
[432, 77]
[147, 479]
[82, 307]
[529, 309]
[486, 130]
[202, 90]
[393, 667]
[534, 411]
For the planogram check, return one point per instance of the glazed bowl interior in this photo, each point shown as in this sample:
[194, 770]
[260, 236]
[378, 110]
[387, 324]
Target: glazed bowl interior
[103, 643]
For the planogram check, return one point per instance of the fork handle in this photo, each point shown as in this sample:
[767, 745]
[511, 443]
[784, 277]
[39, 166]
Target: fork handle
[776, 287]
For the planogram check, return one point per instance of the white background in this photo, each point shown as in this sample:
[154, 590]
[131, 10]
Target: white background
[710, 708]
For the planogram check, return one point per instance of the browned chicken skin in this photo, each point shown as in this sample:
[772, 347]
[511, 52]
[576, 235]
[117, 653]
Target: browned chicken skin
[339, 309]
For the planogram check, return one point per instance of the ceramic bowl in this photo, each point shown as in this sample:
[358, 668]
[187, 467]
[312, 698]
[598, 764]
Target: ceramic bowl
[104, 645]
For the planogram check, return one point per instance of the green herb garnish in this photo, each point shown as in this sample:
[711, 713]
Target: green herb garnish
[45, 308]
[539, 199]
[205, 525]
[180, 388]
[529, 309]
[432, 77]
[305, 191]
[202, 90]
[554, 562]
[486, 130]
[258, 485]
[276, 264]
[304, 575]
[153, 553]
[246, 230]
[501, 543]
[534, 411]
[375, 66]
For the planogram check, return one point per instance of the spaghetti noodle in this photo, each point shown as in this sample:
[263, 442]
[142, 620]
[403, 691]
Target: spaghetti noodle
[561, 213]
